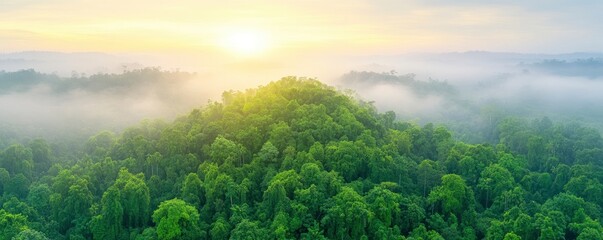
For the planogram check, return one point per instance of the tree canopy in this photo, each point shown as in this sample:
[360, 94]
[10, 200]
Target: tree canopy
[297, 159]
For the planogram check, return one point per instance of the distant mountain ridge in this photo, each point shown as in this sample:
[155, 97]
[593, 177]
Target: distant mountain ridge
[64, 64]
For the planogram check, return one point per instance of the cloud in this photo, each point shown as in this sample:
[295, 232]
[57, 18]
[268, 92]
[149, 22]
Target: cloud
[358, 26]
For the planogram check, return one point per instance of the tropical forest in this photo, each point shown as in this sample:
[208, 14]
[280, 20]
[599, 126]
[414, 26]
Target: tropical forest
[299, 159]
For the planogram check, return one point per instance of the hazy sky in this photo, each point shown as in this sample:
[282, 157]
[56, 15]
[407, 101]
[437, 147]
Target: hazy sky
[286, 27]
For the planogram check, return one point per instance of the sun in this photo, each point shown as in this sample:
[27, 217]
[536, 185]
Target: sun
[245, 43]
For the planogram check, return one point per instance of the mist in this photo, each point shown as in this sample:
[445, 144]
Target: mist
[465, 90]
[59, 96]
[79, 94]
[59, 108]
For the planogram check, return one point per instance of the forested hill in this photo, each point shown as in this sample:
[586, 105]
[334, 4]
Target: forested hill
[297, 159]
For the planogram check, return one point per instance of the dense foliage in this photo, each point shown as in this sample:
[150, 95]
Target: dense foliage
[299, 160]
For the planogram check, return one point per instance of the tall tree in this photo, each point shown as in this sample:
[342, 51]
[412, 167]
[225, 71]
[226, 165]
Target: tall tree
[494, 180]
[109, 224]
[192, 190]
[41, 155]
[427, 175]
[135, 197]
[347, 216]
[175, 219]
[17, 159]
[11, 224]
[452, 194]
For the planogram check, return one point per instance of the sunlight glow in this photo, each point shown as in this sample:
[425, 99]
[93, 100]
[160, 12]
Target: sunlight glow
[245, 43]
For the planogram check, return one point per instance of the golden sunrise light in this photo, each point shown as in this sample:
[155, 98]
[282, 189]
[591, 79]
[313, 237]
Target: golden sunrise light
[258, 27]
[245, 43]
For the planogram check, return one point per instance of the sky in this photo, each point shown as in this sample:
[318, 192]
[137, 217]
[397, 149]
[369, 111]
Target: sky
[285, 28]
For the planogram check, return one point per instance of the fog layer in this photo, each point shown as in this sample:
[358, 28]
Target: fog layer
[471, 91]
[83, 93]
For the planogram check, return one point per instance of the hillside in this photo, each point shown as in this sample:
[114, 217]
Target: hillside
[297, 159]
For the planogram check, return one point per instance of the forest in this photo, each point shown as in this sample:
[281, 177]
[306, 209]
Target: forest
[299, 159]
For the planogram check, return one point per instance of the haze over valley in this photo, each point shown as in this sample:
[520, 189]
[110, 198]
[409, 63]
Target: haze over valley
[96, 91]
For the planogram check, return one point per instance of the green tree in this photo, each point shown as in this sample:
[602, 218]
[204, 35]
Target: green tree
[220, 229]
[192, 190]
[221, 192]
[346, 158]
[421, 232]
[583, 223]
[76, 209]
[537, 153]
[135, 197]
[281, 136]
[39, 199]
[41, 155]
[312, 199]
[175, 219]
[30, 234]
[590, 233]
[248, 230]
[268, 155]
[551, 225]
[280, 226]
[399, 142]
[452, 194]
[347, 215]
[153, 161]
[516, 165]
[15, 206]
[100, 145]
[511, 236]
[428, 175]
[223, 150]
[275, 199]
[314, 233]
[109, 224]
[413, 213]
[4, 179]
[494, 181]
[18, 185]
[17, 159]
[585, 187]
[385, 205]
[523, 226]
[172, 141]
[11, 224]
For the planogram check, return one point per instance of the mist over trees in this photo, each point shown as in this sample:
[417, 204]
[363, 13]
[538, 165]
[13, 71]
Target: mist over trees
[297, 159]
[36, 104]
[590, 67]
[472, 92]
